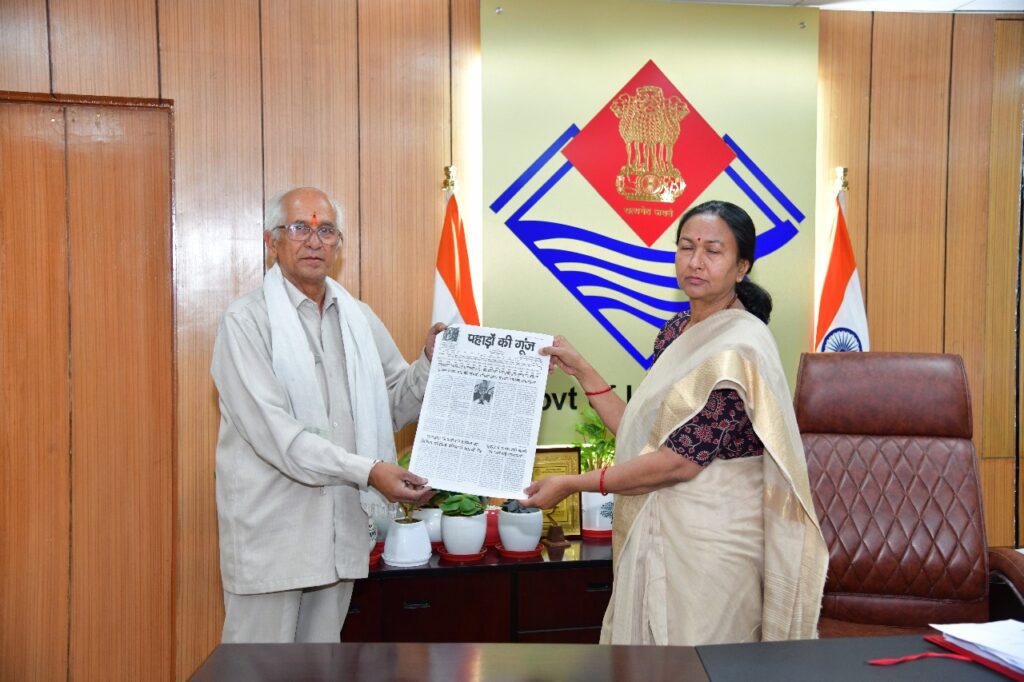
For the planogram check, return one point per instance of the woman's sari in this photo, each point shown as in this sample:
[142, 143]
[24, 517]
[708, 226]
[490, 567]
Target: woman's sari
[735, 554]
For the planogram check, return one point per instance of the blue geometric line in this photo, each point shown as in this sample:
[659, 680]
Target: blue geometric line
[782, 230]
[561, 256]
[768, 184]
[560, 231]
[518, 183]
[542, 190]
[589, 279]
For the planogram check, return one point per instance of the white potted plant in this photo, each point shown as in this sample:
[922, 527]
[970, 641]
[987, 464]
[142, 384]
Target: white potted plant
[430, 513]
[407, 543]
[519, 527]
[463, 524]
[597, 450]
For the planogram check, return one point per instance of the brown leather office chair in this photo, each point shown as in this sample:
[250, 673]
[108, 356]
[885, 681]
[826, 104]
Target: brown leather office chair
[895, 483]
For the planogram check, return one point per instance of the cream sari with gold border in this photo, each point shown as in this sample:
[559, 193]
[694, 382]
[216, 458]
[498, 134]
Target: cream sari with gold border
[735, 554]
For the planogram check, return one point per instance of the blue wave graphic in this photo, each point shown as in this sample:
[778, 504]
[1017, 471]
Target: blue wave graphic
[558, 260]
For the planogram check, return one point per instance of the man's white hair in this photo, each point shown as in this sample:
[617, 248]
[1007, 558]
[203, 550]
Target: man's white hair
[274, 215]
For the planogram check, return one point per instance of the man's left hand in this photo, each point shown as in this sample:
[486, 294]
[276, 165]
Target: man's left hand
[428, 345]
[399, 485]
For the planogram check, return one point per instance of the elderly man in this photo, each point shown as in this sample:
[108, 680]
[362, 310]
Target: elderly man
[312, 388]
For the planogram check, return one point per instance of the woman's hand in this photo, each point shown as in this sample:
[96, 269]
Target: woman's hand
[548, 491]
[565, 357]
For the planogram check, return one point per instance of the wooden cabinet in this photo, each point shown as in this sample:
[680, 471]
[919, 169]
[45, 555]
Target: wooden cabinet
[495, 600]
[562, 604]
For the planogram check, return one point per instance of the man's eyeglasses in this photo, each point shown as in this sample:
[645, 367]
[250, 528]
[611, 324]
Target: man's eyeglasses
[300, 231]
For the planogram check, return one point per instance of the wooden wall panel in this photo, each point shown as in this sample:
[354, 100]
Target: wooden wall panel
[24, 51]
[1003, 236]
[311, 108]
[907, 181]
[467, 130]
[404, 135]
[997, 490]
[104, 47]
[844, 87]
[967, 203]
[122, 430]
[218, 252]
[34, 436]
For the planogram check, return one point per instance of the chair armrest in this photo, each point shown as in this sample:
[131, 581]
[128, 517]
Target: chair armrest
[1006, 583]
[1008, 562]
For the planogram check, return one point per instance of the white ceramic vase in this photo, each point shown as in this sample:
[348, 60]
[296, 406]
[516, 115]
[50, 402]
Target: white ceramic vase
[407, 544]
[520, 532]
[463, 534]
[432, 517]
[598, 511]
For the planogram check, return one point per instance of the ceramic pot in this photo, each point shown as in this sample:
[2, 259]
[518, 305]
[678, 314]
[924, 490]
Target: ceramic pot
[407, 544]
[463, 534]
[432, 517]
[520, 532]
[598, 511]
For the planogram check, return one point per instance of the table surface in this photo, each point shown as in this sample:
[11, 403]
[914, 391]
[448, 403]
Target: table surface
[835, 659]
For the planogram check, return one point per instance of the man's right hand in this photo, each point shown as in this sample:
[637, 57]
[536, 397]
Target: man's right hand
[398, 484]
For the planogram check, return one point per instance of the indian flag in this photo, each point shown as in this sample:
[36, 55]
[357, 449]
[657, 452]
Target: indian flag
[454, 302]
[842, 321]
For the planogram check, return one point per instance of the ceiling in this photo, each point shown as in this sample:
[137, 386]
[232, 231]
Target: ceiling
[885, 5]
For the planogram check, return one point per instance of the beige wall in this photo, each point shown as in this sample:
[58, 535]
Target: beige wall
[358, 98]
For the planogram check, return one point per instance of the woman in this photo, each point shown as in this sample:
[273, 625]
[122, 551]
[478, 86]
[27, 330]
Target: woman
[716, 539]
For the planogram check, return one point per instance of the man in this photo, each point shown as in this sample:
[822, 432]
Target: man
[312, 388]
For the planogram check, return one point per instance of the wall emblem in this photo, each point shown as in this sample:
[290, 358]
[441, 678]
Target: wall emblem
[650, 155]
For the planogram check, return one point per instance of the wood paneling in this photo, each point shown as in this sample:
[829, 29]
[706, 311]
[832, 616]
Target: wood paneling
[907, 181]
[104, 47]
[24, 52]
[1004, 220]
[967, 202]
[311, 109]
[122, 428]
[34, 437]
[844, 86]
[997, 492]
[404, 135]
[218, 256]
[1003, 236]
[467, 130]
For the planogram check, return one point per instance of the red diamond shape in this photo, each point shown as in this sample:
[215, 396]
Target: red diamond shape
[649, 153]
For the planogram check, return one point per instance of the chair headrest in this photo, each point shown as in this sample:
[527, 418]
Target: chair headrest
[897, 394]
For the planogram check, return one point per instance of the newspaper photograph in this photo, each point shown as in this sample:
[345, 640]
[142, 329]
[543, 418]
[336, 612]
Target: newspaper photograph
[481, 412]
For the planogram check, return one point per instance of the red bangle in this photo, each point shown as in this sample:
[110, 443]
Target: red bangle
[603, 390]
[600, 481]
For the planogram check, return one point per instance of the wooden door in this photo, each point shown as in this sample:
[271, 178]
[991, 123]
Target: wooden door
[87, 358]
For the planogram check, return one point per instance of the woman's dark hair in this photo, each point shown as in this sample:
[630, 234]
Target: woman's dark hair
[754, 298]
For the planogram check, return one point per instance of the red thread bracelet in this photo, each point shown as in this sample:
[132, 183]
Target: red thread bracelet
[600, 481]
[592, 393]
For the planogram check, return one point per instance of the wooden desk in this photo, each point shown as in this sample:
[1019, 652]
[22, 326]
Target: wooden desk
[556, 597]
[836, 660]
[373, 662]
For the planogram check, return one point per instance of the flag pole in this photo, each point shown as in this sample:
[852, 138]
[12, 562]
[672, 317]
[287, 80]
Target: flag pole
[450, 181]
[842, 184]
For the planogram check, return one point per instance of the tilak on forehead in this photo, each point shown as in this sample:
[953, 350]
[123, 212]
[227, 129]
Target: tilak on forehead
[314, 220]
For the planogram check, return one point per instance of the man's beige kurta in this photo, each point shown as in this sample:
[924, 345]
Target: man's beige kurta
[288, 498]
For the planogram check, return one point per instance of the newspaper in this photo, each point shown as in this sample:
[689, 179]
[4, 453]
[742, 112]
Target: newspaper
[478, 427]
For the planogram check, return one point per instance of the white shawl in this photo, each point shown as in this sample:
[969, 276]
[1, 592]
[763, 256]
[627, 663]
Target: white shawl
[295, 366]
